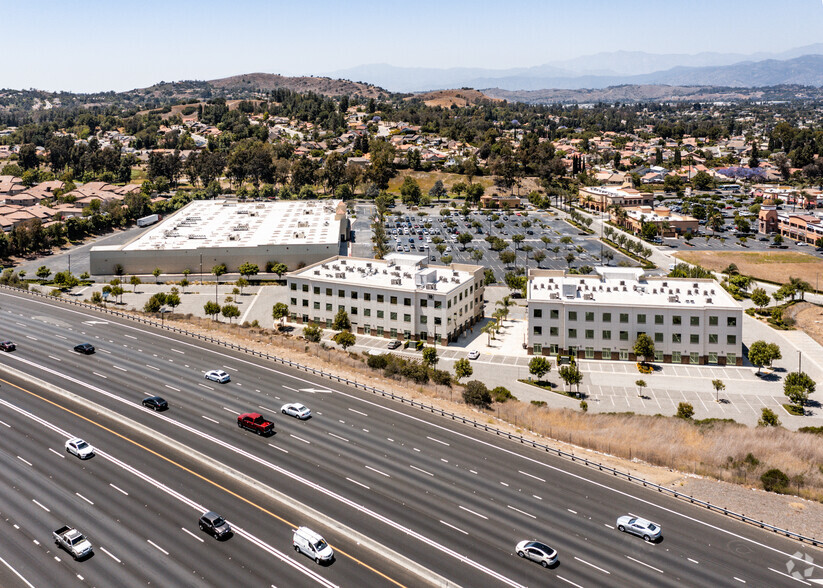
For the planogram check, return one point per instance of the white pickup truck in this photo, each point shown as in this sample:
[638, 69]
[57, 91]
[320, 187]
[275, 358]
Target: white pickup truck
[72, 541]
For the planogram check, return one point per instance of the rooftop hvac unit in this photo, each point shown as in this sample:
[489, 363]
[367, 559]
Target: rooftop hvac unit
[342, 262]
[708, 300]
[674, 299]
[396, 281]
[340, 275]
[588, 296]
[554, 296]
[316, 272]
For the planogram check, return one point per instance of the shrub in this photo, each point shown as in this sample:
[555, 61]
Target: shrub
[313, 333]
[812, 430]
[377, 362]
[416, 372]
[775, 481]
[501, 394]
[751, 461]
[441, 377]
[685, 411]
[476, 394]
[584, 406]
[768, 418]
[538, 403]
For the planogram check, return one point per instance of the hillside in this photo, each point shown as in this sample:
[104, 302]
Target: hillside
[303, 84]
[449, 98]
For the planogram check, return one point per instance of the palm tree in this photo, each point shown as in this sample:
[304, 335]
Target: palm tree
[488, 329]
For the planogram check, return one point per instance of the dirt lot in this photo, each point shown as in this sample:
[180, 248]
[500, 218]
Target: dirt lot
[771, 266]
[427, 179]
[808, 318]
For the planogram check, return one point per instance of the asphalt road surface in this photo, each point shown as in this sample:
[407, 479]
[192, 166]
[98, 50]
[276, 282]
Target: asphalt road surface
[450, 498]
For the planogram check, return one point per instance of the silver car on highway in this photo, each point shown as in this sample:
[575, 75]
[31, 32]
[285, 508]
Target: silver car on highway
[641, 527]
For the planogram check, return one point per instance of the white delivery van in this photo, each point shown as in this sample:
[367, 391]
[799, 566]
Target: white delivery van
[310, 543]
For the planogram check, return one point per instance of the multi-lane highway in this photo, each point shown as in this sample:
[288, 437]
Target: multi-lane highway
[422, 492]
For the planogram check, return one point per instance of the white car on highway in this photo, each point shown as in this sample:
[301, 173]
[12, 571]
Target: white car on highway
[297, 410]
[79, 448]
[218, 376]
[641, 527]
[536, 551]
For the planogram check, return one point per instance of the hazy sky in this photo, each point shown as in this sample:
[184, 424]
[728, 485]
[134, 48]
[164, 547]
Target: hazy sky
[90, 45]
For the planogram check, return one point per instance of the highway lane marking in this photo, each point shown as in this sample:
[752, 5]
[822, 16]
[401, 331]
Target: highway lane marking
[792, 577]
[739, 580]
[472, 471]
[130, 336]
[358, 483]
[292, 389]
[119, 489]
[339, 437]
[21, 324]
[30, 337]
[151, 367]
[105, 351]
[101, 375]
[504, 484]
[205, 386]
[110, 554]
[300, 439]
[84, 498]
[358, 412]
[453, 527]
[444, 460]
[436, 440]
[117, 367]
[80, 577]
[645, 564]
[178, 351]
[592, 565]
[62, 337]
[521, 511]
[559, 577]
[571, 511]
[185, 530]
[279, 448]
[35, 541]
[389, 439]
[692, 560]
[210, 419]
[234, 412]
[156, 546]
[172, 388]
[28, 463]
[530, 475]
[538, 498]
[378, 471]
[416, 449]
[5, 424]
[55, 358]
[421, 471]
[57, 453]
[611, 527]
[267, 409]
[472, 512]
[40, 505]
[224, 367]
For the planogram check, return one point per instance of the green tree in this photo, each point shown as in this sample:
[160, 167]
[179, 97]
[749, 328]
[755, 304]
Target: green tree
[768, 418]
[760, 298]
[438, 190]
[248, 269]
[173, 299]
[775, 480]
[641, 384]
[230, 311]
[539, 366]
[702, 181]
[156, 273]
[462, 369]
[135, 281]
[507, 257]
[242, 283]
[279, 312]
[762, 353]
[718, 386]
[464, 239]
[685, 411]
[797, 386]
[218, 271]
[43, 273]
[571, 376]
[410, 192]
[341, 321]
[430, 358]
[211, 309]
[313, 333]
[644, 347]
[345, 339]
[517, 240]
[476, 394]
[155, 303]
[278, 268]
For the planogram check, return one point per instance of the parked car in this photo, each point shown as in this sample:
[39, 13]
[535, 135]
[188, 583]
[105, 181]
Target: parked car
[474, 354]
[296, 410]
[218, 376]
[79, 448]
[641, 527]
[312, 544]
[394, 344]
[85, 348]
[215, 525]
[256, 423]
[7, 346]
[155, 403]
[537, 551]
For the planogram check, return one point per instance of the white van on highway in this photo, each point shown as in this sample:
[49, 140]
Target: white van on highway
[310, 543]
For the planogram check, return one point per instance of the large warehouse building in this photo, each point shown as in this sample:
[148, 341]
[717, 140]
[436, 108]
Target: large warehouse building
[206, 233]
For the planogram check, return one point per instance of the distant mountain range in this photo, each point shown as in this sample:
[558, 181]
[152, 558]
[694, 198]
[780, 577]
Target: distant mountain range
[803, 66]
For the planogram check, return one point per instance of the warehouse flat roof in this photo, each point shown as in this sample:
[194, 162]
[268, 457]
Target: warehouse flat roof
[228, 223]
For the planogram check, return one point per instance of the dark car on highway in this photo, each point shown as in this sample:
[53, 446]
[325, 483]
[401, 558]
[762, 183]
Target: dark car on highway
[7, 346]
[85, 348]
[215, 525]
[155, 403]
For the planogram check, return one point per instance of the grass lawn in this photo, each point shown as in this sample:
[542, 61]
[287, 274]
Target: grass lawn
[763, 265]
[550, 386]
[795, 410]
[427, 179]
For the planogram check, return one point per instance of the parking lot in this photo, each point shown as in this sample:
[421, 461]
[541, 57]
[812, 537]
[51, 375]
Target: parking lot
[437, 237]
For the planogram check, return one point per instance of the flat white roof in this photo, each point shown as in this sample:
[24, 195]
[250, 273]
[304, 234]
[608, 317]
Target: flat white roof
[397, 272]
[627, 287]
[228, 223]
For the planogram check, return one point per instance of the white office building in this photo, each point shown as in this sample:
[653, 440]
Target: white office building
[691, 321]
[397, 297]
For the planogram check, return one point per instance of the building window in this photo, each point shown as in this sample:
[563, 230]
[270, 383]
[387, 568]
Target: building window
[572, 315]
[624, 335]
[424, 303]
[316, 305]
[328, 323]
[407, 318]
[554, 313]
[572, 333]
[538, 313]
[328, 291]
[554, 331]
[624, 317]
[393, 300]
[424, 319]
[341, 307]
[293, 301]
[366, 296]
[694, 358]
[381, 298]
[407, 302]
[694, 339]
[677, 320]
[712, 338]
[379, 331]
[712, 321]
[658, 337]
[393, 316]
[316, 290]
[341, 293]
[589, 333]
[624, 354]
[607, 335]
[328, 306]
[305, 302]
[353, 295]
[380, 314]
[658, 319]
[676, 338]
[537, 349]
[367, 311]
[658, 355]
[731, 339]
[606, 353]
[731, 321]
[607, 317]
[589, 352]
[676, 357]
[393, 333]
[554, 349]
[538, 330]
[294, 286]
[641, 319]
[438, 304]
[437, 320]
[731, 359]
[353, 310]
[712, 357]
[589, 317]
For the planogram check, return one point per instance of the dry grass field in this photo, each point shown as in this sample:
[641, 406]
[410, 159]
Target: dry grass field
[774, 266]
[427, 179]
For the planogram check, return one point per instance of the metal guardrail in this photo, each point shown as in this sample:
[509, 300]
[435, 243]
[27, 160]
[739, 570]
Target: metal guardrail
[432, 409]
